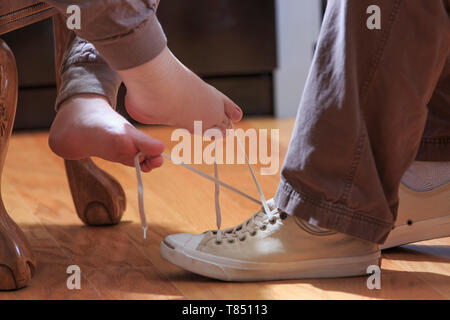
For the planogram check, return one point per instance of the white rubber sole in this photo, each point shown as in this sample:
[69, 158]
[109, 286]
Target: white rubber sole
[235, 270]
[418, 231]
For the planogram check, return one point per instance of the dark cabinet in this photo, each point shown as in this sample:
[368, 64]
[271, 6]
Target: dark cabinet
[34, 52]
[218, 38]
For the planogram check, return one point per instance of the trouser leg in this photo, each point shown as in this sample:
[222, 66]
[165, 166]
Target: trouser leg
[435, 143]
[362, 114]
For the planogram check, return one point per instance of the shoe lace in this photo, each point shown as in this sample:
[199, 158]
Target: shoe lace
[251, 225]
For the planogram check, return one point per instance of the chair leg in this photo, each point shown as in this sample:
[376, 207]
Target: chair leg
[99, 199]
[17, 261]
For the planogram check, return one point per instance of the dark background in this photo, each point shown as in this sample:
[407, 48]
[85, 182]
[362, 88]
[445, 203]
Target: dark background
[231, 44]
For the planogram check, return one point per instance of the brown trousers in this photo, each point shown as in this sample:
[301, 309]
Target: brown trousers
[374, 101]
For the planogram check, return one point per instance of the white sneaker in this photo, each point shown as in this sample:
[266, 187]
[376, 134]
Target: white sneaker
[421, 216]
[271, 248]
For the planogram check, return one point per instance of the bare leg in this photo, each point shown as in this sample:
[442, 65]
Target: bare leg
[98, 197]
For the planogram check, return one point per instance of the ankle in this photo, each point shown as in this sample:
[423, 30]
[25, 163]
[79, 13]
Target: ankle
[153, 71]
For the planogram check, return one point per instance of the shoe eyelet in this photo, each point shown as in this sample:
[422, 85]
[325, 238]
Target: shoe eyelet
[230, 240]
[218, 242]
[253, 233]
[273, 220]
[242, 239]
[283, 215]
[264, 227]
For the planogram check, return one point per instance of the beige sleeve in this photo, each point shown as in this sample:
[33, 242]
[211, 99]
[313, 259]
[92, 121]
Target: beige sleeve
[127, 33]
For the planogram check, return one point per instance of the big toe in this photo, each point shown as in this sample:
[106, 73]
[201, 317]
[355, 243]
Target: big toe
[232, 110]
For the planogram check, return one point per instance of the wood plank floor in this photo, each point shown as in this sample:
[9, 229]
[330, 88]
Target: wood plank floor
[116, 263]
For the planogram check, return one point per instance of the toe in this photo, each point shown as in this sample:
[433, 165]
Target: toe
[155, 162]
[232, 110]
[227, 123]
[148, 146]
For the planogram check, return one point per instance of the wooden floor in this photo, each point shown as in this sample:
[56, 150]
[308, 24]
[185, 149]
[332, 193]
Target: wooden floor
[116, 263]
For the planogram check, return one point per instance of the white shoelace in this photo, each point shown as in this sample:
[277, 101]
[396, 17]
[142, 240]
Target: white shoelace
[239, 230]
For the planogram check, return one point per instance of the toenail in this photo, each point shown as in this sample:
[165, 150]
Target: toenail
[236, 113]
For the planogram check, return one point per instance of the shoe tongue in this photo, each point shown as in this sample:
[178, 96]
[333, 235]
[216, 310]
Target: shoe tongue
[260, 216]
[271, 204]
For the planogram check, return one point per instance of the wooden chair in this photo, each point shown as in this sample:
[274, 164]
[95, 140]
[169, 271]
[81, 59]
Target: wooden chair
[98, 197]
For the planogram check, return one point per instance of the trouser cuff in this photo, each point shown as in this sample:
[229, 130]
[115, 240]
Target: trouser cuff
[434, 149]
[332, 216]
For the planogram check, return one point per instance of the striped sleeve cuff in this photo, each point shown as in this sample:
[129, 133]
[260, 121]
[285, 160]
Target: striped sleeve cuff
[89, 78]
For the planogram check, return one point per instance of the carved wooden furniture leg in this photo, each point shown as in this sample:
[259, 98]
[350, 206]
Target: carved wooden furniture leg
[99, 199]
[17, 262]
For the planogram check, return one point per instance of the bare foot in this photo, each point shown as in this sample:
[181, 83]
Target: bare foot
[87, 126]
[164, 91]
